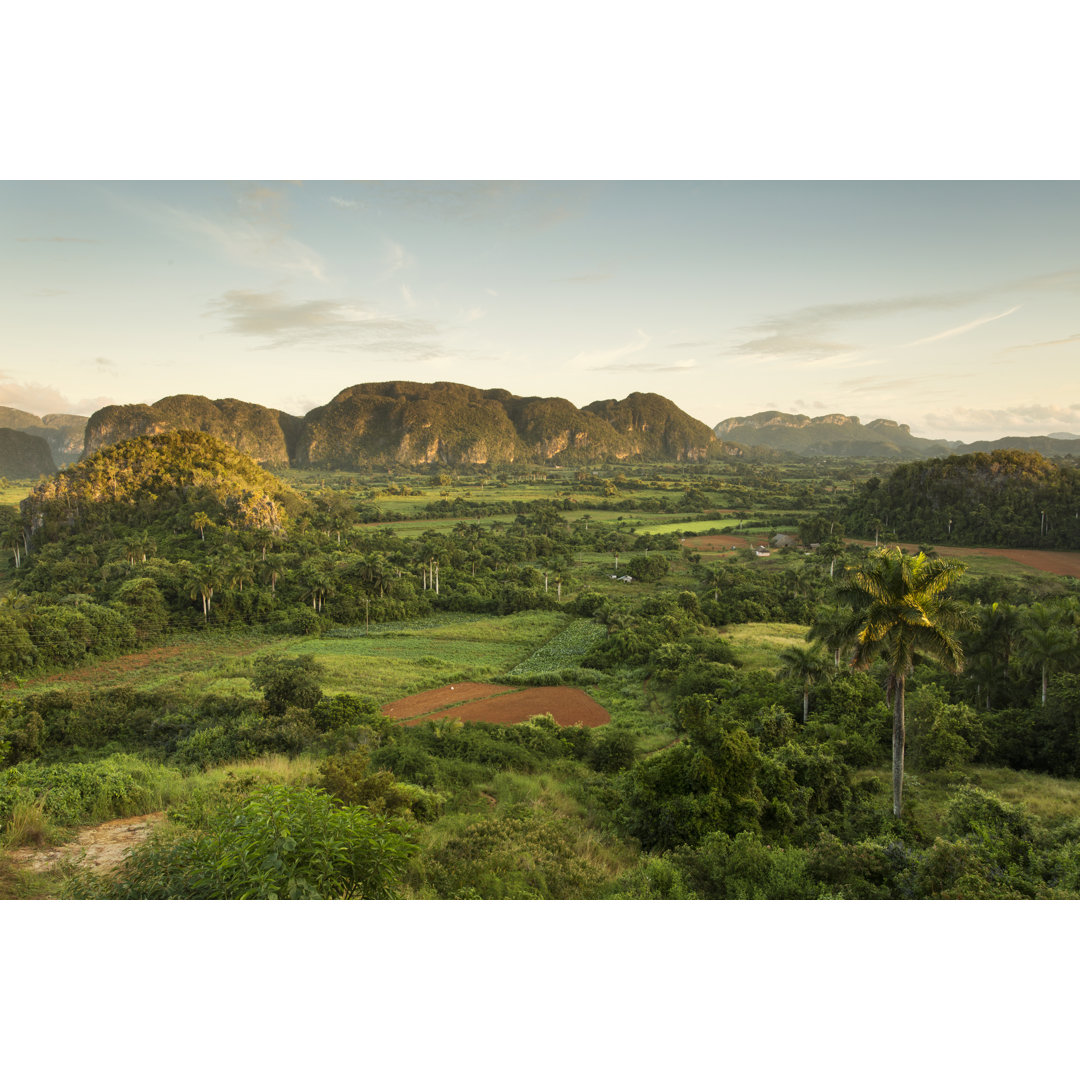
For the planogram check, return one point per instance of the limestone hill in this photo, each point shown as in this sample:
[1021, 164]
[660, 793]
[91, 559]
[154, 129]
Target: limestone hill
[411, 423]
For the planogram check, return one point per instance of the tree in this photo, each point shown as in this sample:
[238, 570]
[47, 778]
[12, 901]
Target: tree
[1046, 647]
[205, 578]
[806, 666]
[286, 682]
[901, 611]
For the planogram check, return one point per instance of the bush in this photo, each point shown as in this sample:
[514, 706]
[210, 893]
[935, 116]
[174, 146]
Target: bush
[612, 751]
[279, 843]
[287, 682]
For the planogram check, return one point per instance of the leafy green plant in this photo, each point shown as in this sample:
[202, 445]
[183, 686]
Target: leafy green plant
[279, 843]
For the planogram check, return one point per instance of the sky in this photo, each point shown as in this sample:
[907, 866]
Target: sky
[948, 306]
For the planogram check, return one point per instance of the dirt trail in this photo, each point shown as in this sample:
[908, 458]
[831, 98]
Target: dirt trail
[97, 847]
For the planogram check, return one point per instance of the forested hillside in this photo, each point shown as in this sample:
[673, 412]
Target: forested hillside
[1009, 498]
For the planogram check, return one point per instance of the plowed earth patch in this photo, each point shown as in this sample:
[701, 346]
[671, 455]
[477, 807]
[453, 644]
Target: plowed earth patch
[494, 704]
[431, 700]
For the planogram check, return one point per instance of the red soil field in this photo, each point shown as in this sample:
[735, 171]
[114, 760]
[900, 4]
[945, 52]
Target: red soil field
[495, 704]
[431, 700]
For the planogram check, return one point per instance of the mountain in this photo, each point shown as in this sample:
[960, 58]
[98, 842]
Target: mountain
[655, 428]
[24, 455]
[63, 433]
[413, 423]
[258, 432]
[832, 435]
[1049, 445]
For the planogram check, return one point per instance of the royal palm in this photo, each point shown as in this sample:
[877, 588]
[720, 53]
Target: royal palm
[900, 611]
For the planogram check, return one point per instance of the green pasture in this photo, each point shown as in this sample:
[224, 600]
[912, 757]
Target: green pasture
[758, 645]
[383, 663]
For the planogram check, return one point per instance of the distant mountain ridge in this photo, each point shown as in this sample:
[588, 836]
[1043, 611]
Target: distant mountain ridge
[62, 433]
[413, 423]
[838, 435]
[24, 455]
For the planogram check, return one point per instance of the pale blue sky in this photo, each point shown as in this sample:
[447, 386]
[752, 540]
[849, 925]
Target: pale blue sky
[950, 306]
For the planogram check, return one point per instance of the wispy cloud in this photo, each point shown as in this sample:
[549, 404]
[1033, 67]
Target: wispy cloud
[344, 204]
[687, 344]
[671, 368]
[331, 324]
[956, 331]
[809, 333]
[43, 400]
[105, 365]
[256, 233]
[55, 240]
[601, 359]
[510, 203]
[1014, 420]
[397, 258]
[1045, 344]
[598, 276]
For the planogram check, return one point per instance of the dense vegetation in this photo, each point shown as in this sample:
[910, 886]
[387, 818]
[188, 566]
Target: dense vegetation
[1008, 498]
[742, 760]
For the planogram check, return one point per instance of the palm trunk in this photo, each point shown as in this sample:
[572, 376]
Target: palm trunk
[1044, 684]
[805, 705]
[898, 746]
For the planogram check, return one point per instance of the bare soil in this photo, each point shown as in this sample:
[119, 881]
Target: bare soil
[444, 696]
[97, 847]
[494, 704]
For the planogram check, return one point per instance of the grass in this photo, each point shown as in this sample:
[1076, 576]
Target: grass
[757, 645]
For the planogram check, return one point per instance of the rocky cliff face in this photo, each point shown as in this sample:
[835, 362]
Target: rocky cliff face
[23, 455]
[254, 430]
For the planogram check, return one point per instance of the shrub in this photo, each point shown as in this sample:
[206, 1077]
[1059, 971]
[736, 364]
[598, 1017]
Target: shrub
[286, 682]
[612, 751]
[279, 843]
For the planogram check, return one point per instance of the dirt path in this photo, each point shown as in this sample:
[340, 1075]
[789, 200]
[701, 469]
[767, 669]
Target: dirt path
[97, 847]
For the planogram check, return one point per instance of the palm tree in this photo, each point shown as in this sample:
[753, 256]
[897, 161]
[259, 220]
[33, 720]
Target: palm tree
[830, 627]
[806, 665]
[205, 578]
[1046, 647]
[900, 611]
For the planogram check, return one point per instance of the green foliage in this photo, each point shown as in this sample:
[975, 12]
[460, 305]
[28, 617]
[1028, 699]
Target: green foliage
[288, 681]
[76, 792]
[514, 858]
[278, 844]
[349, 779]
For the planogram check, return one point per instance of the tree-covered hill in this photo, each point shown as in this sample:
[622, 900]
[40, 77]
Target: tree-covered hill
[1009, 498]
[258, 432]
[165, 478]
[22, 454]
